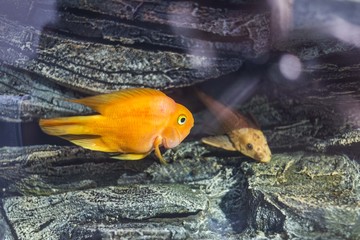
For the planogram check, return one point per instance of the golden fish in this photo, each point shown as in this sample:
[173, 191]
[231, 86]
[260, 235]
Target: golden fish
[131, 123]
[241, 134]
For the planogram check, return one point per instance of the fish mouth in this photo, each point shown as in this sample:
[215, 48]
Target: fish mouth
[176, 139]
[263, 158]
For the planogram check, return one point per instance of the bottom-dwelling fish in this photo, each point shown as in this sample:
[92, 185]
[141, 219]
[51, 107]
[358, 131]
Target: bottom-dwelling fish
[130, 124]
[241, 134]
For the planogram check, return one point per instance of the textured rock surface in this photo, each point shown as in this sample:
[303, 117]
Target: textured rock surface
[5, 231]
[311, 195]
[302, 87]
[25, 97]
[91, 196]
[78, 211]
[130, 43]
[97, 67]
[198, 195]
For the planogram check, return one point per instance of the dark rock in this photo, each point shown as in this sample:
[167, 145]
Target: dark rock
[5, 230]
[283, 195]
[111, 205]
[314, 195]
[131, 43]
[302, 88]
[26, 97]
[85, 190]
[97, 67]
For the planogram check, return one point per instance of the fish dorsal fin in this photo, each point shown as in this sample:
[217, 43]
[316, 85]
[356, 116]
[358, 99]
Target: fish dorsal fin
[100, 102]
[227, 117]
[253, 121]
[221, 141]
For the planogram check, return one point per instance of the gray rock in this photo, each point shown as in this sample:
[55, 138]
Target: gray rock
[313, 195]
[76, 210]
[199, 195]
[96, 197]
[5, 231]
[54, 50]
[130, 43]
[25, 97]
[96, 67]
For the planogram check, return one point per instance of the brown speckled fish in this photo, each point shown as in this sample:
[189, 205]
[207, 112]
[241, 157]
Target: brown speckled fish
[241, 134]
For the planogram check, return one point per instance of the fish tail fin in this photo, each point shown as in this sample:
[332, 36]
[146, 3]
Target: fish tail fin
[67, 126]
[78, 130]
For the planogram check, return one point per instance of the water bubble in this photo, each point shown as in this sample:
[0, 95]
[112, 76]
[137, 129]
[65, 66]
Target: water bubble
[290, 66]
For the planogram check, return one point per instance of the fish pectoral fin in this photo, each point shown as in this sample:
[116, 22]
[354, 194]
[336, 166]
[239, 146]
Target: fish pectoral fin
[157, 143]
[222, 141]
[131, 156]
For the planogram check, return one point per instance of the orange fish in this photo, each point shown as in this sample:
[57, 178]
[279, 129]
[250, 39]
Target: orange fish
[241, 134]
[131, 123]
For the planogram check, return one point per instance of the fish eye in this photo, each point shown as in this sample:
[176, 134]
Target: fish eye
[249, 146]
[181, 119]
